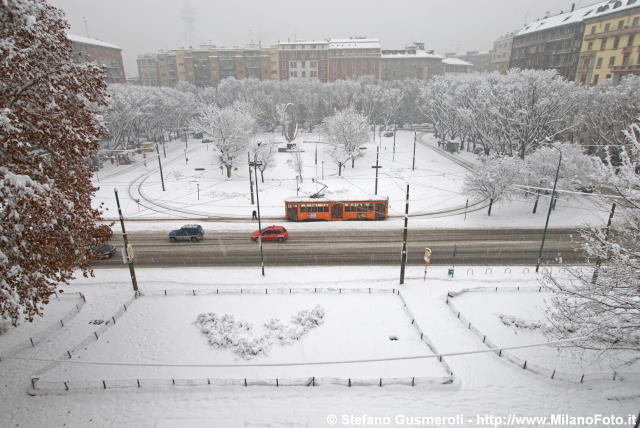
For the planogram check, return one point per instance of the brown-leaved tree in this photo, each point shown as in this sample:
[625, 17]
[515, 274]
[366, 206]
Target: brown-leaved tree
[49, 130]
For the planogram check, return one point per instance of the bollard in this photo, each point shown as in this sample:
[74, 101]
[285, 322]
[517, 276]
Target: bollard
[104, 384]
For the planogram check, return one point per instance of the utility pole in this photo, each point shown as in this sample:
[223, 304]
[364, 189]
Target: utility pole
[250, 179]
[132, 271]
[606, 238]
[403, 259]
[395, 128]
[198, 187]
[415, 136]
[160, 164]
[377, 167]
[255, 173]
[546, 225]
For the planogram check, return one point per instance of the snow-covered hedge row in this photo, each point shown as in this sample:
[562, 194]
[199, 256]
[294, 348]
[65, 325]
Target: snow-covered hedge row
[225, 332]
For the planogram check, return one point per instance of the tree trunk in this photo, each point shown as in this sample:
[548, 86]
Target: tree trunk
[353, 162]
[535, 206]
[228, 171]
[339, 169]
[490, 205]
[262, 176]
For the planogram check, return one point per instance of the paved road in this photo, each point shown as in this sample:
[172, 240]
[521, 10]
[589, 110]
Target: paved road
[356, 247]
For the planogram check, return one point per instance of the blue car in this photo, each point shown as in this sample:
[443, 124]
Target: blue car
[188, 232]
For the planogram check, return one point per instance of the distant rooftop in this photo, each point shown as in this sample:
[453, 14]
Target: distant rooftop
[579, 15]
[418, 54]
[456, 61]
[354, 43]
[90, 41]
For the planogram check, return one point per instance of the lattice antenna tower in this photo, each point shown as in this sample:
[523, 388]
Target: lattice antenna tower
[188, 15]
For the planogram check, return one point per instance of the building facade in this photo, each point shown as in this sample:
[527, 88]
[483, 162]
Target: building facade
[455, 65]
[353, 58]
[611, 43]
[412, 62]
[106, 55]
[303, 60]
[481, 61]
[550, 43]
[501, 53]
[208, 65]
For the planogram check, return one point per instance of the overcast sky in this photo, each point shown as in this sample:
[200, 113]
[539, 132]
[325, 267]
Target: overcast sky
[141, 26]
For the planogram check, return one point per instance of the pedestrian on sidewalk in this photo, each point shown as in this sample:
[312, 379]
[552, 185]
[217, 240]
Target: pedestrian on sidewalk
[254, 215]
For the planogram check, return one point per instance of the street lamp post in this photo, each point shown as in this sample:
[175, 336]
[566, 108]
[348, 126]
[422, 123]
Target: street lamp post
[546, 224]
[255, 174]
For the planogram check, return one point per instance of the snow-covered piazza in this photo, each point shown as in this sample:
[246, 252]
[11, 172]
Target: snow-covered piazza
[450, 248]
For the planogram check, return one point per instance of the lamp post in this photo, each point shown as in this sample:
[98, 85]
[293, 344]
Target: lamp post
[546, 224]
[255, 174]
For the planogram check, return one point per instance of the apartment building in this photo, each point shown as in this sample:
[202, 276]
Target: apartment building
[353, 58]
[303, 60]
[412, 62]
[611, 43]
[501, 53]
[106, 55]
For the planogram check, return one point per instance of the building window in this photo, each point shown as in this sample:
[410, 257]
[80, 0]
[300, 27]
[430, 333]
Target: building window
[293, 64]
[294, 74]
[593, 30]
[612, 61]
[599, 63]
[313, 64]
[625, 60]
[630, 41]
[607, 26]
[635, 21]
[608, 76]
[595, 80]
[603, 46]
[585, 62]
[303, 73]
[616, 42]
[590, 46]
[313, 74]
[620, 24]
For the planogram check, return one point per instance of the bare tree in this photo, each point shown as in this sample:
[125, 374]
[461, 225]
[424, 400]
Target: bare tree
[600, 310]
[229, 127]
[346, 131]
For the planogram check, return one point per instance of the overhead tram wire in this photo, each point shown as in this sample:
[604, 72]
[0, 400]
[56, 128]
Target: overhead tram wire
[310, 363]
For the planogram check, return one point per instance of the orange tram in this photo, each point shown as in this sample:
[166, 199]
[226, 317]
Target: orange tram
[308, 209]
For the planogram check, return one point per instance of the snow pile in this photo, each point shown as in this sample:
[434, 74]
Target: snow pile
[224, 332]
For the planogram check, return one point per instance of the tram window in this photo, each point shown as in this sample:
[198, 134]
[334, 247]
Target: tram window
[303, 208]
[359, 208]
[314, 209]
[347, 208]
[371, 207]
[326, 208]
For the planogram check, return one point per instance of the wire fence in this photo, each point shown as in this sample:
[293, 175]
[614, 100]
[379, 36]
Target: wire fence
[45, 333]
[40, 386]
[551, 373]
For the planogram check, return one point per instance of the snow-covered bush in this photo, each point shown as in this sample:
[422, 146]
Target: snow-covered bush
[224, 332]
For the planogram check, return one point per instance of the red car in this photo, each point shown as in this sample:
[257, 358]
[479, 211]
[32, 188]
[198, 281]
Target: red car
[272, 233]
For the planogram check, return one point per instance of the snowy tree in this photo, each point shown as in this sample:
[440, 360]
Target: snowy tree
[346, 131]
[578, 170]
[601, 310]
[230, 128]
[493, 179]
[49, 130]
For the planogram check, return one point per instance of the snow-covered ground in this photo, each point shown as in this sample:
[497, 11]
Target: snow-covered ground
[158, 327]
[435, 187]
